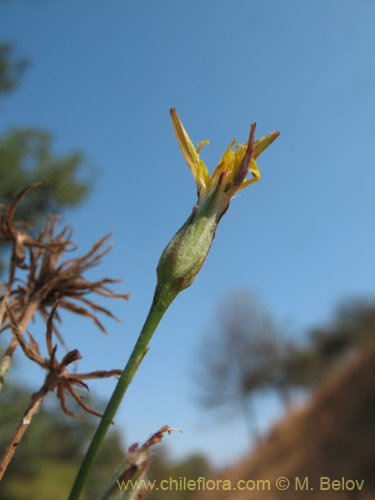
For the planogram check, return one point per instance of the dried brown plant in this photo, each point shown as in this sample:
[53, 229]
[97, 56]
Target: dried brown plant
[134, 467]
[39, 280]
[58, 379]
[48, 280]
[58, 376]
[9, 233]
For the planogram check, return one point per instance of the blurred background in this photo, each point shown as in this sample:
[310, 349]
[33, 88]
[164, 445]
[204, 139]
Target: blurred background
[280, 321]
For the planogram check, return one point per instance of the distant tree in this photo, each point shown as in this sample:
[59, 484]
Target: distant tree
[240, 357]
[10, 68]
[245, 354]
[26, 156]
[351, 327]
[163, 469]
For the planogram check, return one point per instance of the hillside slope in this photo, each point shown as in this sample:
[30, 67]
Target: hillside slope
[333, 436]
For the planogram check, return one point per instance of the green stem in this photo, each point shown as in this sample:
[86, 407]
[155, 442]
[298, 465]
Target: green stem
[162, 299]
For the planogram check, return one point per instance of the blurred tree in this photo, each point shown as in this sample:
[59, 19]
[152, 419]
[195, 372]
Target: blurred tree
[241, 357]
[161, 469]
[245, 354]
[26, 156]
[49, 456]
[10, 68]
[352, 326]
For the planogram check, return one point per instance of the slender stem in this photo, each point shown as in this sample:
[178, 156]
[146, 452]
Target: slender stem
[162, 299]
[6, 296]
[3, 305]
[6, 361]
[36, 401]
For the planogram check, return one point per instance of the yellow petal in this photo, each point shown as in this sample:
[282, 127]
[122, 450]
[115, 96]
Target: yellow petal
[188, 150]
[263, 143]
[225, 163]
[204, 176]
[203, 173]
[200, 146]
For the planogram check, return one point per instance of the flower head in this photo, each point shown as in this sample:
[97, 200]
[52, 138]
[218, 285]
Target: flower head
[231, 173]
[185, 254]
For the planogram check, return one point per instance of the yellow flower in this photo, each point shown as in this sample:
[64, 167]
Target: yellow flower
[230, 175]
[185, 254]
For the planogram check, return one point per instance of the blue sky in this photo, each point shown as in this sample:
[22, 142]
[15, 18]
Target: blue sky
[102, 78]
